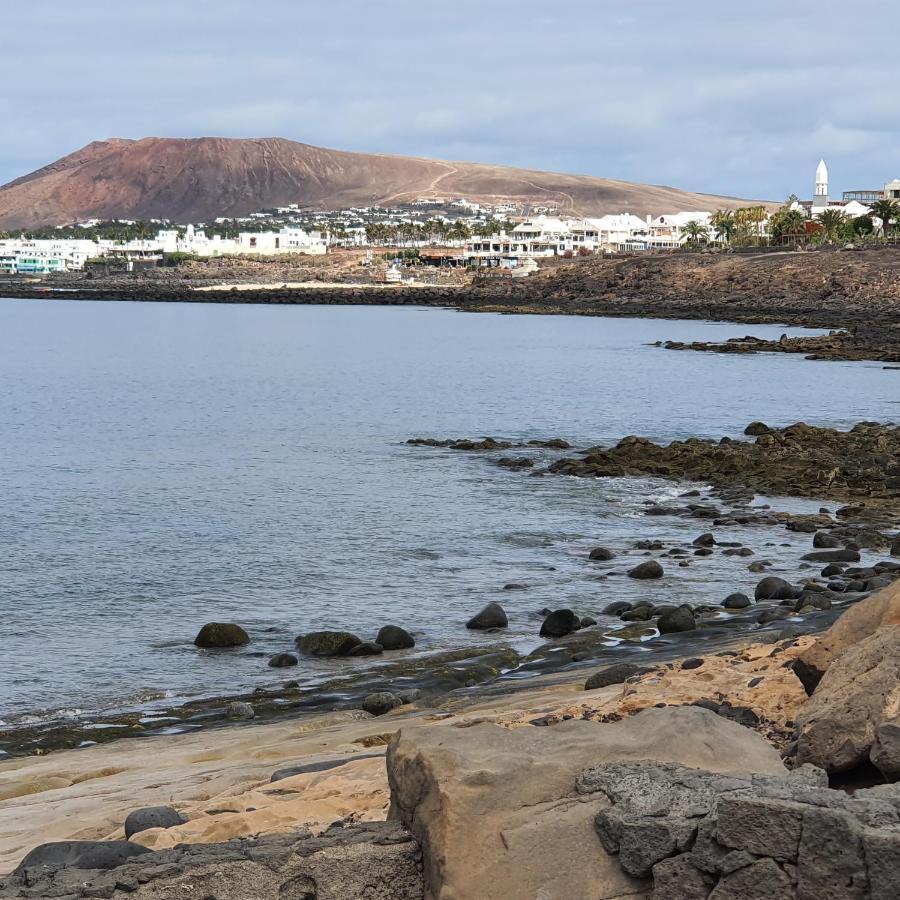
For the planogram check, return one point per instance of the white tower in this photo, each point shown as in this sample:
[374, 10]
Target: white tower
[821, 196]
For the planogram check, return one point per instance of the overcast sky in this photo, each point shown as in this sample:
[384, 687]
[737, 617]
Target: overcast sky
[730, 98]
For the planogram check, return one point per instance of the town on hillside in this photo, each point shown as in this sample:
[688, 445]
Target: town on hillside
[508, 237]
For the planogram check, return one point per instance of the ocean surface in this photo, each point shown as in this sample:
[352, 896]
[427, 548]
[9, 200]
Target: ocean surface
[166, 465]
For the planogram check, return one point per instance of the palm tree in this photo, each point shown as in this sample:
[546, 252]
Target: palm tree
[886, 210]
[831, 220]
[723, 223]
[695, 232]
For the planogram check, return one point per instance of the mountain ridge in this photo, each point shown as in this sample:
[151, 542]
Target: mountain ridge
[198, 179]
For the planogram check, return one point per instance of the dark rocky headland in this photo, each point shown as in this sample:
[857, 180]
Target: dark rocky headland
[855, 292]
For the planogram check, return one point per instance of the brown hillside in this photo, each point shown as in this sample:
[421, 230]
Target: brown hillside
[197, 179]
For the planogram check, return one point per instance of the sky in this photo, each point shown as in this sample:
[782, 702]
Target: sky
[728, 98]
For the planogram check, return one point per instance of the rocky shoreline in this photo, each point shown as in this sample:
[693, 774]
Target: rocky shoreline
[730, 775]
[858, 467]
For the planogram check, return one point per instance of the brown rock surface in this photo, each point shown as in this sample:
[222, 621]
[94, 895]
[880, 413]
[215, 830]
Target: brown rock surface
[857, 623]
[859, 692]
[496, 811]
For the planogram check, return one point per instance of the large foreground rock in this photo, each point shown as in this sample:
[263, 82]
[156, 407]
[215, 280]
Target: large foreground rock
[497, 813]
[859, 693]
[856, 624]
[701, 835]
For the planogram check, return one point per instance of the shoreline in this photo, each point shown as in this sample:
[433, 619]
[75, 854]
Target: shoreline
[276, 777]
[855, 293]
[787, 462]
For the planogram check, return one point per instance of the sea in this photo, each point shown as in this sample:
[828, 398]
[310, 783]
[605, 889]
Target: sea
[163, 465]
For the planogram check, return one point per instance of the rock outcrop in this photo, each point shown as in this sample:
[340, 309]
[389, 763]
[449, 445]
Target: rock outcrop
[374, 861]
[859, 693]
[701, 835]
[497, 813]
[857, 623]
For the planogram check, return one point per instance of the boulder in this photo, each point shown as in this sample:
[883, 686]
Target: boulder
[381, 702]
[704, 540]
[560, 623]
[832, 556]
[615, 674]
[496, 813]
[588, 621]
[492, 616]
[327, 643]
[773, 588]
[859, 693]
[152, 817]
[857, 623]
[221, 634]
[393, 637]
[755, 429]
[601, 554]
[680, 619]
[103, 855]
[617, 607]
[240, 711]
[283, 660]
[823, 540]
[736, 601]
[649, 569]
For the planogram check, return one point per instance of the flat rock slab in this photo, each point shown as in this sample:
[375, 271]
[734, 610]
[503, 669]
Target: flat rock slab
[497, 813]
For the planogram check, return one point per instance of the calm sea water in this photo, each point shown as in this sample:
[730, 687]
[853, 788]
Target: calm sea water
[164, 465]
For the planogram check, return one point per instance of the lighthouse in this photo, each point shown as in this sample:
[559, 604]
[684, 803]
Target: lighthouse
[820, 198]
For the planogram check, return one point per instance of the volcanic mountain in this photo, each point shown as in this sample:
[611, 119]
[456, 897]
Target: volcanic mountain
[198, 179]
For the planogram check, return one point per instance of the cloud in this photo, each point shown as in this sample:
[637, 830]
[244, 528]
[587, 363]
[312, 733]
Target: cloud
[725, 98]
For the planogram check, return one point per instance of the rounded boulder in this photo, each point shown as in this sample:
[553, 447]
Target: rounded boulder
[152, 817]
[381, 702]
[393, 637]
[560, 623]
[221, 634]
[681, 619]
[492, 616]
[327, 643]
[774, 588]
[649, 569]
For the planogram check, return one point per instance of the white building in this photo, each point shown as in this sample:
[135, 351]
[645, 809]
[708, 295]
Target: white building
[22, 256]
[616, 230]
[669, 230]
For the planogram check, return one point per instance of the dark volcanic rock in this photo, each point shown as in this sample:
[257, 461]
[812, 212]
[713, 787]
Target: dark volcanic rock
[615, 674]
[680, 619]
[649, 569]
[601, 554]
[102, 855]
[393, 637]
[755, 429]
[617, 607]
[381, 702]
[221, 634]
[560, 623]
[492, 616]
[774, 588]
[327, 643]
[823, 540]
[830, 556]
[283, 660]
[736, 601]
[152, 817]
